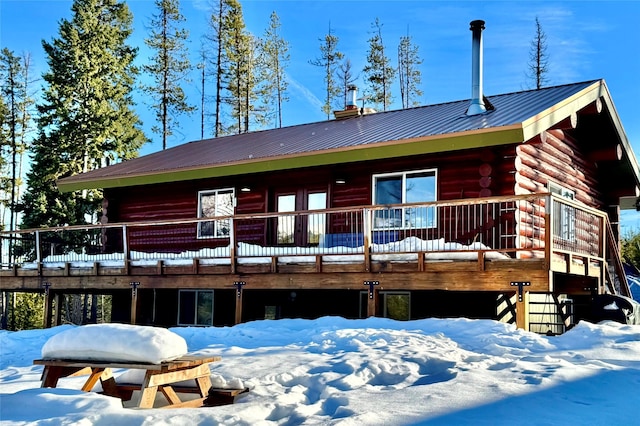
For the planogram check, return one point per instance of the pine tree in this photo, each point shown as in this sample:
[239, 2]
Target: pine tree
[86, 118]
[16, 127]
[275, 54]
[169, 67]
[345, 79]
[329, 59]
[378, 72]
[240, 77]
[218, 61]
[538, 58]
[5, 149]
[408, 72]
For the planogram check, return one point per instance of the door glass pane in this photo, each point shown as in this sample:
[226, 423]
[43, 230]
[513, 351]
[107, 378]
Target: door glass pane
[316, 222]
[286, 203]
[205, 308]
[187, 307]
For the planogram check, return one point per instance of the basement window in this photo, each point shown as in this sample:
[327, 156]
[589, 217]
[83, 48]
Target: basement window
[195, 307]
[397, 305]
[401, 188]
[215, 203]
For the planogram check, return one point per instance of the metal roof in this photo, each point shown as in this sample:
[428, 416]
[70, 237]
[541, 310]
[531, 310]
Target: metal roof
[328, 141]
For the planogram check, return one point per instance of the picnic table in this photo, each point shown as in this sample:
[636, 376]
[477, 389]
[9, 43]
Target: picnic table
[165, 377]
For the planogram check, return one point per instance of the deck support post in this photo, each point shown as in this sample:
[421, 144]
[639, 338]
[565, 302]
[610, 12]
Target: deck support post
[522, 305]
[134, 300]
[47, 305]
[57, 312]
[238, 285]
[373, 298]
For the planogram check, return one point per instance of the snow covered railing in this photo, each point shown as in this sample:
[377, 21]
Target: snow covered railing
[514, 227]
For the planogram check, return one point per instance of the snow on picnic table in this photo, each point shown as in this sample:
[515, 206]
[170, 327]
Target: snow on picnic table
[365, 372]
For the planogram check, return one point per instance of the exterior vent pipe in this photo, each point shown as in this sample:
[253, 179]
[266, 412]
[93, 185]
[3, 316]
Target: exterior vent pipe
[477, 104]
[351, 97]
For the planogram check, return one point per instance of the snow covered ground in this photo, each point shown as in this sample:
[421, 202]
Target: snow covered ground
[365, 372]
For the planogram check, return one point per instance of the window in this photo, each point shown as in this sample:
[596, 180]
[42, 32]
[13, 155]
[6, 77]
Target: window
[215, 203]
[397, 305]
[564, 214]
[405, 187]
[195, 307]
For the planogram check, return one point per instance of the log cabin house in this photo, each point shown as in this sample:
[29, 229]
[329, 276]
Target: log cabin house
[503, 207]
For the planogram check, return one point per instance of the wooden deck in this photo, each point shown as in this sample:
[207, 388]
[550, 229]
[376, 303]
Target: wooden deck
[479, 245]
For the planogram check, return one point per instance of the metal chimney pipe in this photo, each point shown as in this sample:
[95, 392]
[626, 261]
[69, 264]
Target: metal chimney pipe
[351, 97]
[477, 104]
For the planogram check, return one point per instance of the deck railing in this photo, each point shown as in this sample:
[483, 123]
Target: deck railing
[508, 227]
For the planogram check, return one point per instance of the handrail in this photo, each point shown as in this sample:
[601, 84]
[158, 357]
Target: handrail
[266, 215]
[616, 259]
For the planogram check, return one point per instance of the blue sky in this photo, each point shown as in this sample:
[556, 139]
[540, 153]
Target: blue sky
[586, 40]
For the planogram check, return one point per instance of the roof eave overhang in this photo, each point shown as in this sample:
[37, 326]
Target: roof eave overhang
[391, 149]
[550, 117]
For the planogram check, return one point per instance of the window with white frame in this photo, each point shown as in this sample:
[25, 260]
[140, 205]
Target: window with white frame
[564, 214]
[215, 203]
[195, 307]
[405, 187]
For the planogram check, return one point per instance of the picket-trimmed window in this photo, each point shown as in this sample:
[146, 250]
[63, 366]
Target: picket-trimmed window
[405, 187]
[195, 307]
[215, 203]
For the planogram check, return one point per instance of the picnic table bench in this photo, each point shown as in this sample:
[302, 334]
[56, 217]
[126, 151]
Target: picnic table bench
[164, 377]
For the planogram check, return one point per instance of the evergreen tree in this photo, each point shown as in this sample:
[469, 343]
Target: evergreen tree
[16, 127]
[378, 72]
[275, 54]
[28, 311]
[329, 59]
[240, 77]
[169, 67]
[538, 58]
[218, 61]
[202, 67]
[345, 79]
[86, 118]
[5, 149]
[630, 249]
[408, 72]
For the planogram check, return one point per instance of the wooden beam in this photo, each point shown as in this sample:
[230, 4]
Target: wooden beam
[452, 276]
[610, 153]
[571, 122]
[134, 301]
[522, 312]
[238, 294]
[48, 302]
[372, 304]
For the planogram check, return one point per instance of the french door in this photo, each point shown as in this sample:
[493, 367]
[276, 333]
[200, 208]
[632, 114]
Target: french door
[300, 229]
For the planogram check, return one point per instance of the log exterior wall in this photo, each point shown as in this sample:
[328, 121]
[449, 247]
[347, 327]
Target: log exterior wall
[556, 157]
[464, 174]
